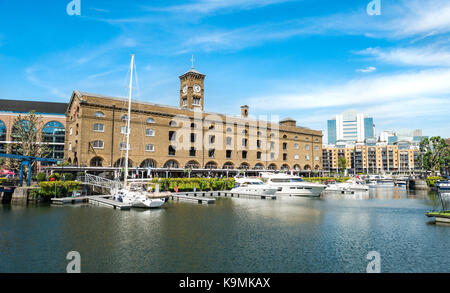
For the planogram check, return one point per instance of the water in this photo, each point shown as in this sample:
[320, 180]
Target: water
[330, 234]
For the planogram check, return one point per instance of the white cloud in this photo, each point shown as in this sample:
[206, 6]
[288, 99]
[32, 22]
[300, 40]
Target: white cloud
[425, 84]
[367, 69]
[208, 6]
[420, 56]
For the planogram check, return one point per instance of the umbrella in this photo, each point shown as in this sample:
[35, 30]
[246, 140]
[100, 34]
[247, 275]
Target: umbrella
[7, 172]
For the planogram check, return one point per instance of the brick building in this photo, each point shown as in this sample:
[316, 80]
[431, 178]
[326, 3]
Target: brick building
[184, 137]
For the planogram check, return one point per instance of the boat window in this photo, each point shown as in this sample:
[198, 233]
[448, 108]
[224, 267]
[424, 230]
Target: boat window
[297, 180]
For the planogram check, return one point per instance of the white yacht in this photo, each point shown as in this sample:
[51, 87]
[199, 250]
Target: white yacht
[350, 185]
[253, 186]
[290, 185]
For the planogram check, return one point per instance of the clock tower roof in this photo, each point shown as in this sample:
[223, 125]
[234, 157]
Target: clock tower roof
[192, 71]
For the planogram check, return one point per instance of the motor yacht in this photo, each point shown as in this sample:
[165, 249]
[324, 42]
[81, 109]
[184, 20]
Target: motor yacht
[290, 185]
[252, 186]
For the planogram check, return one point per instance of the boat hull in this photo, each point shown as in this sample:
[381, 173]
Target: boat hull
[301, 191]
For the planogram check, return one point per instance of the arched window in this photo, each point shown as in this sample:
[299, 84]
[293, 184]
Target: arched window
[297, 167]
[96, 162]
[244, 166]
[2, 137]
[173, 123]
[192, 165]
[229, 130]
[272, 167]
[149, 132]
[259, 166]
[228, 165]
[120, 163]
[99, 114]
[54, 134]
[124, 117]
[148, 163]
[211, 165]
[171, 164]
[307, 167]
[150, 120]
[20, 128]
[285, 136]
[285, 167]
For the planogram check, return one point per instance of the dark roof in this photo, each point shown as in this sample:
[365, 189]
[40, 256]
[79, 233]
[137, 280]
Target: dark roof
[28, 106]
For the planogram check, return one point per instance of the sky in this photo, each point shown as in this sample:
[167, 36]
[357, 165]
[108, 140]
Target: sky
[304, 59]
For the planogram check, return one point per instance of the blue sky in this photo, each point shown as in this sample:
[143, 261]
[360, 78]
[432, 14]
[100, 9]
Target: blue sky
[306, 59]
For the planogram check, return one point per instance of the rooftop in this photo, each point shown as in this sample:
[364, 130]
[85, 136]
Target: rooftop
[20, 106]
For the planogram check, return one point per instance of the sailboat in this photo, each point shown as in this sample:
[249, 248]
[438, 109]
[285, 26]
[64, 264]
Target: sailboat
[133, 194]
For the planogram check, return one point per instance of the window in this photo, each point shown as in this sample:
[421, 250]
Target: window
[98, 127]
[212, 139]
[196, 101]
[211, 153]
[150, 120]
[284, 146]
[70, 132]
[192, 152]
[307, 157]
[193, 137]
[123, 130]
[99, 114]
[258, 144]
[193, 125]
[172, 135]
[185, 101]
[316, 147]
[123, 146]
[229, 130]
[284, 157]
[317, 158]
[272, 156]
[124, 117]
[296, 157]
[149, 148]
[244, 132]
[70, 146]
[244, 154]
[258, 155]
[296, 146]
[307, 147]
[229, 154]
[97, 144]
[229, 140]
[244, 142]
[211, 127]
[272, 145]
[285, 136]
[149, 132]
[172, 123]
[172, 151]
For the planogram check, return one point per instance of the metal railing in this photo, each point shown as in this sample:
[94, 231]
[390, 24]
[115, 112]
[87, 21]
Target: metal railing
[101, 182]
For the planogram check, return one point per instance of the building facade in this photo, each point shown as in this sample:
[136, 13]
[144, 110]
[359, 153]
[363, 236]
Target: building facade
[53, 117]
[372, 158]
[184, 137]
[350, 127]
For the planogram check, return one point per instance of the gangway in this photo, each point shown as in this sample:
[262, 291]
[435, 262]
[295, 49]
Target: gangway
[101, 182]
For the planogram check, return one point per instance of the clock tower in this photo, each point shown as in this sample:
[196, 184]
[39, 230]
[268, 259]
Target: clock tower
[191, 89]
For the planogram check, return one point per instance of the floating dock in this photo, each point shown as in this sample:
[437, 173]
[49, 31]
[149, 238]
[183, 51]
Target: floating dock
[186, 197]
[199, 194]
[101, 200]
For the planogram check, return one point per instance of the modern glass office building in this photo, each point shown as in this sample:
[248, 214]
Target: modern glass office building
[350, 126]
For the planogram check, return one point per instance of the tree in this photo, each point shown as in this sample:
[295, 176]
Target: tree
[26, 134]
[434, 154]
[342, 164]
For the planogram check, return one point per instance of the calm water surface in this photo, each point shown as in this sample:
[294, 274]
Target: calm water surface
[330, 234]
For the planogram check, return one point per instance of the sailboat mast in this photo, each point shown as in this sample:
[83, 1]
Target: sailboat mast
[128, 120]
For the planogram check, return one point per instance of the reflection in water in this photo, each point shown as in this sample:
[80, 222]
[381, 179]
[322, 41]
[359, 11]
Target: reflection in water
[333, 233]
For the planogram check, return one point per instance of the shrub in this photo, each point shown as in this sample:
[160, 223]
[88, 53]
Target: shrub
[431, 181]
[63, 189]
[188, 184]
[40, 177]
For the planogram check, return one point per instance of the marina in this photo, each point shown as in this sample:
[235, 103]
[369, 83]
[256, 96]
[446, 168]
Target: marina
[332, 233]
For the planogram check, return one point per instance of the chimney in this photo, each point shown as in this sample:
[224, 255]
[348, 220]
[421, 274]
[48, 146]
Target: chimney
[244, 111]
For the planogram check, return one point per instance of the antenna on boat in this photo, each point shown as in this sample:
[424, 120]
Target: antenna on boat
[128, 120]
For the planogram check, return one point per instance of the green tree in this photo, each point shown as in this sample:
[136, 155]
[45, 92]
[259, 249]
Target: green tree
[342, 164]
[434, 154]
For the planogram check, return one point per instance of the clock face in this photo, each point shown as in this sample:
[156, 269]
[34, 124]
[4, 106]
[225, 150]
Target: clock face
[197, 88]
[185, 88]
